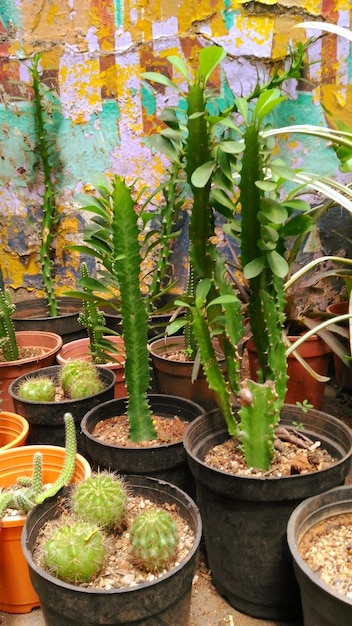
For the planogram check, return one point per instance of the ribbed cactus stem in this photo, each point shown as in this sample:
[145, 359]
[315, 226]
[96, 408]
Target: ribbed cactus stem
[8, 343]
[69, 463]
[75, 553]
[153, 536]
[5, 501]
[37, 481]
[23, 500]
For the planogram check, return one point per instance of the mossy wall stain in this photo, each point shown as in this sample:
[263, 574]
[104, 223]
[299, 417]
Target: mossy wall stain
[93, 54]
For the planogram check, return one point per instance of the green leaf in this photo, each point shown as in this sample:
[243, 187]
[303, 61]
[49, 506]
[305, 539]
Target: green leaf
[282, 171]
[254, 268]
[164, 145]
[298, 225]
[226, 299]
[202, 174]
[242, 106]
[296, 205]
[267, 101]
[209, 58]
[161, 79]
[180, 65]
[265, 185]
[273, 211]
[202, 291]
[278, 264]
[232, 147]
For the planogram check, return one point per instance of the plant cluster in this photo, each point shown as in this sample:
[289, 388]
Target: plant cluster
[30, 490]
[78, 379]
[75, 552]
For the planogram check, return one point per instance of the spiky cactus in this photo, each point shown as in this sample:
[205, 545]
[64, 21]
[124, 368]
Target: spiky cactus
[8, 343]
[80, 379]
[101, 499]
[40, 389]
[75, 553]
[153, 536]
[30, 491]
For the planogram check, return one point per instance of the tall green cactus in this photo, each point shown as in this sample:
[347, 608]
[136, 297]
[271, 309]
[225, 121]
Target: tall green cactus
[8, 343]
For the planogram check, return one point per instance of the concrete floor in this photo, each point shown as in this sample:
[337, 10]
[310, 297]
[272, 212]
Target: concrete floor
[207, 607]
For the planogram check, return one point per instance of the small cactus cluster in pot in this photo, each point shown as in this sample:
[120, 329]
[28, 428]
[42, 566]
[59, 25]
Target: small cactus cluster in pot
[75, 551]
[30, 490]
[78, 379]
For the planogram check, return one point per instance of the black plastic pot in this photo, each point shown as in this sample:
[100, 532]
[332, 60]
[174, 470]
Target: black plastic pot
[245, 518]
[32, 314]
[322, 606]
[46, 424]
[165, 600]
[167, 461]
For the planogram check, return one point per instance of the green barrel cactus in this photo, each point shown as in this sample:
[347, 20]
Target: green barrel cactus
[80, 379]
[75, 553]
[40, 389]
[153, 536]
[101, 500]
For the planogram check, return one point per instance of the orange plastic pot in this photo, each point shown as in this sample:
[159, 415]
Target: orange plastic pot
[13, 430]
[79, 349]
[16, 592]
[301, 385]
[10, 370]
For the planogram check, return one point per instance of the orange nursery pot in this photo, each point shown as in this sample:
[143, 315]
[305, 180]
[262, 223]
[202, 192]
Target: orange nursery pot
[79, 349]
[13, 430]
[16, 592]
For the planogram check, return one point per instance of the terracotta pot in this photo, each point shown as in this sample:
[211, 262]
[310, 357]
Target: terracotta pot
[13, 430]
[16, 592]
[174, 378]
[79, 349]
[10, 370]
[32, 314]
[343, 373]
[301, 385]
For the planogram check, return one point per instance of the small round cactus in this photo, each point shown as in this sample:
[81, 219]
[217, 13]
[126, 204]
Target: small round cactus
[40, 389]
[101, 499]
[83, 387]
[153, 536]
[80, 379]
[75, 553]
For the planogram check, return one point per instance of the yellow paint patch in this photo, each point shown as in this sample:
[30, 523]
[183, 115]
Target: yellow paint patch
[338, 104]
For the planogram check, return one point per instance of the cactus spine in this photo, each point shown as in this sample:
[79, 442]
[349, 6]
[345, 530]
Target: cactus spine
[8, 343]
[40, 389]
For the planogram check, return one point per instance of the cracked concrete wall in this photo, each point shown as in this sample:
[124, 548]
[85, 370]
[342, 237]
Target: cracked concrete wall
[93, 54]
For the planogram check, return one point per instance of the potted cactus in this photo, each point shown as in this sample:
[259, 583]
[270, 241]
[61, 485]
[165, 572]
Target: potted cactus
[29, 475]
[45, 395]
[22, 351]
[156, 579]
[113, 239]
[261, 199]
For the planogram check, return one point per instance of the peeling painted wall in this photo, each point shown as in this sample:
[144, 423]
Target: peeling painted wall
[93, 54]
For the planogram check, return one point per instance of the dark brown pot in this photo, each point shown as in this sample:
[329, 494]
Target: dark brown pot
[175, 377]
[33, 314]
[301, 385]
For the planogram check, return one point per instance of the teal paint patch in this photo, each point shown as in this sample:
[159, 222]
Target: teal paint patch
[148, 100]
[83, 149]
[9, 13]
[118, 4]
